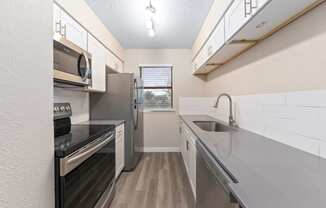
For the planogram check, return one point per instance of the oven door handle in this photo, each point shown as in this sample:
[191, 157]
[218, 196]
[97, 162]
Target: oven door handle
[70, 162]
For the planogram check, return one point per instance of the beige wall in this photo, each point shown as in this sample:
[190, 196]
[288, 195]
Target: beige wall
[26, 120]
[86, 17]
[292, 60]
[161, 128]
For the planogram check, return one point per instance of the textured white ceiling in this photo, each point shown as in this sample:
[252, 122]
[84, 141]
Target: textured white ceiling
[177, 22]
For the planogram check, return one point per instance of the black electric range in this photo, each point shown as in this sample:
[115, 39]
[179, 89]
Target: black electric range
[84, 162]
[79, 136]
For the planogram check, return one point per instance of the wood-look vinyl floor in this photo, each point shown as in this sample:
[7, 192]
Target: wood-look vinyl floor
[159, 181]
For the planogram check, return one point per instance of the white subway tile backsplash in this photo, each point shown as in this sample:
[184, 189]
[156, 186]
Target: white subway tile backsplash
[302, 143]
[307, 98]
[323, 149]
[79, 103]
[296, 118]
[271, 99]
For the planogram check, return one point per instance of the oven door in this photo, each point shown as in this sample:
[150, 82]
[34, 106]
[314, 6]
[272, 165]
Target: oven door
[85, 178]
[72, 64]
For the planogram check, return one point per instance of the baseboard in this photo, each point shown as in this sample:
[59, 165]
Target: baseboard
[161, 149]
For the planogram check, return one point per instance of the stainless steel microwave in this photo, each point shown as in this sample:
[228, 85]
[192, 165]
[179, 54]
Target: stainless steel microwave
[72, 64]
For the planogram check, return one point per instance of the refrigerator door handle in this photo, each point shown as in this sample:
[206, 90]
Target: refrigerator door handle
[136, 104]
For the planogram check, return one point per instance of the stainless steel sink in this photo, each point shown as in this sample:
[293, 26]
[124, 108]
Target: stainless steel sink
[212, 126]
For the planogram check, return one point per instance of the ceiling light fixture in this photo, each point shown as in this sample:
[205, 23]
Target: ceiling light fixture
[149, 24]
[151, 33]
[149, 19]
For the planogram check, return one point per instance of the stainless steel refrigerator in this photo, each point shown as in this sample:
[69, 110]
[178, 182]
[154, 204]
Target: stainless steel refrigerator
[123, 101]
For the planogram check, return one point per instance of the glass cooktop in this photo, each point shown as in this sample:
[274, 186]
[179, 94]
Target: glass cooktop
[79, 136]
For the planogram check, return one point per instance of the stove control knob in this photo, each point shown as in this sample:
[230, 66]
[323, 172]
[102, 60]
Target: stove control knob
[62, 108]
[67, 108]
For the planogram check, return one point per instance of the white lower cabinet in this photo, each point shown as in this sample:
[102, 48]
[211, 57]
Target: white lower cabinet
[120, 149]
[188, 151]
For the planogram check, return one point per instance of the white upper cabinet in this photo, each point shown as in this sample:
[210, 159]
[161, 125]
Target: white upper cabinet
[202, 64]
[217, 39]
[73, 31]
[56, 19]
[65, 26]
[98, 64]
[246, 22]
[113, 62]
[240, 12]
[237, 15]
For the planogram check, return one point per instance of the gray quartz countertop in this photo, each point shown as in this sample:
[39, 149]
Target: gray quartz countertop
[104, 122]
[270, 174]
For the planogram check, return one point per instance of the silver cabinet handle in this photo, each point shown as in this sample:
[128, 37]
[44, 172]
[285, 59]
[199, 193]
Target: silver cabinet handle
[58, 27]
[64, 31]
[209, 50]
[246, 4]
[254, 5]
[187, 145]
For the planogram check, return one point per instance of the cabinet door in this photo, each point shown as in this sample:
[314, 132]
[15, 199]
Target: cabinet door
[219, 36]
[258, 4]
[237, 16]
[113, 62]
[192, 163]
[56, 19]
[118, 158]
[73, 31]
[217, 39]
[98, 64]
[120, 153]
[121, 136]
[183, 144]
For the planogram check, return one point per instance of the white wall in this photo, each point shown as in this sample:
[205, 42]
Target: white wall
[161, 128]
[26, 126]
[78, 100]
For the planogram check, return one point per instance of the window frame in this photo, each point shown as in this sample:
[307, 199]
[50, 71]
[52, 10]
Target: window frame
[159, 87]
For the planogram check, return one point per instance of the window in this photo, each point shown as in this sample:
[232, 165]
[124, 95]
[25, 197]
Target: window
[158, 88]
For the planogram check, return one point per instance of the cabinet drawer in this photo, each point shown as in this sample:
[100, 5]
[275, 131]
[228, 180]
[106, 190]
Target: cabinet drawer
[98, 64]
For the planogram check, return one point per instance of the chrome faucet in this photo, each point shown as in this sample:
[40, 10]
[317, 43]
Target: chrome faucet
[232, 122]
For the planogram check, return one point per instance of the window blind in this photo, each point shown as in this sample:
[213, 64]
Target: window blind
[158, 77]
[158, 89]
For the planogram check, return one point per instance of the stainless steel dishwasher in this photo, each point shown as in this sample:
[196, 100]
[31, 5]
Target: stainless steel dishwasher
[211, 183]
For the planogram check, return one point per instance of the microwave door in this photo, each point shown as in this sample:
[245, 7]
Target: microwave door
[72, 65]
